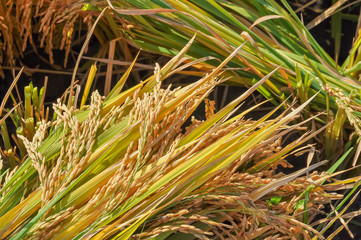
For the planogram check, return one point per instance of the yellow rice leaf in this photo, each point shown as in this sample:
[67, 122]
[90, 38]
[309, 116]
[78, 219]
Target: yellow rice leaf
[89, 82]
[17, 215]
[119, 86]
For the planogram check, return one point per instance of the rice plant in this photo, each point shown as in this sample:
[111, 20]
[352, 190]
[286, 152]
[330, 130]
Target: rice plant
[136, 164]
[273, 36]
[129, 166]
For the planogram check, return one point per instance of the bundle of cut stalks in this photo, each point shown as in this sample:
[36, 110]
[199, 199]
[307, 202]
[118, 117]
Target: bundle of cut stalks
[272, 33]
[52, 21]
[128, 166]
